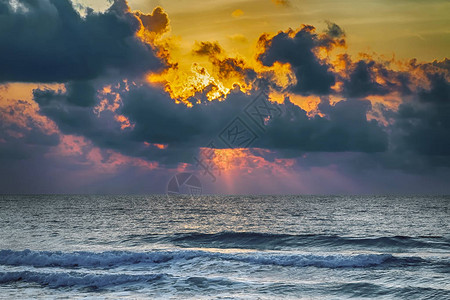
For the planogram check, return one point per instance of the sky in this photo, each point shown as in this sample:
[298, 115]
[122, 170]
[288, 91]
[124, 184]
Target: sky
[252, 97]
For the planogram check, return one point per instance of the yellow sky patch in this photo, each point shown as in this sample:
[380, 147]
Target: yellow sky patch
[410, 29]
[237, 13]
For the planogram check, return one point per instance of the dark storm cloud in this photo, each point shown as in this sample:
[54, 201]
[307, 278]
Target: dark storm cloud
[297, 49]
[439, 92]
[48, 41]
[81, 93]
[315, 76]
[226, 67]
[423, 125]
[362, 81]
[363, 75]
[158, 119]
[420, 129]
[72, 118]
[343, 128]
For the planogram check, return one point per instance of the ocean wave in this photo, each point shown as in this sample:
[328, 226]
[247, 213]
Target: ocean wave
[83, 258]
[328, 261]
[113, 259]
[256, 240]
[373, 290]
[74, 279]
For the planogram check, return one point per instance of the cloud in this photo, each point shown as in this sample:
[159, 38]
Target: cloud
[81, 93]
[235, 68]
[24, 133]
[362, 81]
[334, 30]
[344, 127]
[210, 49]
[298, 48]
[157, 21]
[48, 41]
[226, 68]
[157, 119]
[423, 126]
[108, 121]
[368, 77]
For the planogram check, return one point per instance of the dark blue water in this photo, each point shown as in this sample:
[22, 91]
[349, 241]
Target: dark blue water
[224, 247]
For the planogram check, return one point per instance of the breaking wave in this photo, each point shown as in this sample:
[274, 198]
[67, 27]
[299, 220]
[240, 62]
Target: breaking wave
[113, 259]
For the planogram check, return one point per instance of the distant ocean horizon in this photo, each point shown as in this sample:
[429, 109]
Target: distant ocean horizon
[224, 246]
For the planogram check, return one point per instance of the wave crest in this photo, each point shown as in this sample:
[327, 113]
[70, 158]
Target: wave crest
[60, 279]
[113, 259]
[257, 240]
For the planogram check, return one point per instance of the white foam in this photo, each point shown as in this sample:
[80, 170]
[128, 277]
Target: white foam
[70, 279]
[119, 258]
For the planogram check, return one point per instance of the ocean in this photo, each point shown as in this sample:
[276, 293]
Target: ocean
[224, 247]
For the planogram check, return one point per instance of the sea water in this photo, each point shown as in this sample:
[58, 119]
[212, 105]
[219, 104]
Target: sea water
[224, 247]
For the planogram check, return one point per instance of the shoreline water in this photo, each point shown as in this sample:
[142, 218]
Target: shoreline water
[224, 247]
